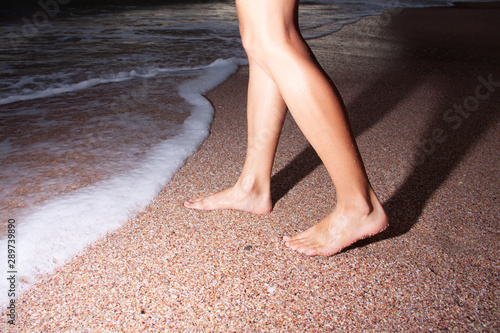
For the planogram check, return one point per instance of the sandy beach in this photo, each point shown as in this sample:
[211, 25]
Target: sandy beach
[422, 87]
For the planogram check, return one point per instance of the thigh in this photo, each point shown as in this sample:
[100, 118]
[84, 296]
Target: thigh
[267, 17]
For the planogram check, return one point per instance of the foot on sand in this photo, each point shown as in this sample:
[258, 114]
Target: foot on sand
[337, 231]
[245, 195]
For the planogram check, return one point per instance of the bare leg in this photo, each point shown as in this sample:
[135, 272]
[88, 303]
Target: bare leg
[271, 38]
[265, 112]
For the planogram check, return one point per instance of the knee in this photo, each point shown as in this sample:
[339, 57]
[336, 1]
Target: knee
[262, 49]
[265, 46]
[252, 43]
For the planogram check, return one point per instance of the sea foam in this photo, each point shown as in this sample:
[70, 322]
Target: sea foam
[61, 228]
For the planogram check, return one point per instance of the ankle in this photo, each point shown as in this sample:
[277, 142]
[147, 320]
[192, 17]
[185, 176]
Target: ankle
[361, 203]
[255, 185]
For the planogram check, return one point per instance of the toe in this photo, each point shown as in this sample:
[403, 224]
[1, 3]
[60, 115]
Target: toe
[193, 203]
[311, 252]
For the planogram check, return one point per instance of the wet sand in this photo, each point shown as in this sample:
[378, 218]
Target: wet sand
[423, 91]
[77, 128]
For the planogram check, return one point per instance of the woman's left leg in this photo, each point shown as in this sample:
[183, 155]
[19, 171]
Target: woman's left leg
[265, 114]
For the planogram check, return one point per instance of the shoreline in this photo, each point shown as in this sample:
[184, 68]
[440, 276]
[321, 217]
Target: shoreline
[191, 270]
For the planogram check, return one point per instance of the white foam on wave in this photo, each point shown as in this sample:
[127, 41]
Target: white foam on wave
[71, 87]
[65, 88]
[59, 229]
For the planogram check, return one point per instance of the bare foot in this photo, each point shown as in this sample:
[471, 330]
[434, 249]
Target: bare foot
[242, 196]
[337, 231]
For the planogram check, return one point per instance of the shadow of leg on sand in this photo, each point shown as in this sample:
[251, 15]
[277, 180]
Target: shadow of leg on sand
[431, 170]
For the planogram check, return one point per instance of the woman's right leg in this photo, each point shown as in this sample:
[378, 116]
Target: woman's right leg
[265, 114]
